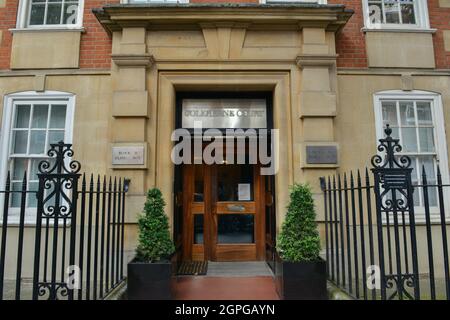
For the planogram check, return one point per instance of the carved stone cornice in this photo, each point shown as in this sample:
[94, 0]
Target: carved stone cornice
[316, 60]
[133, 60]
[115, 17]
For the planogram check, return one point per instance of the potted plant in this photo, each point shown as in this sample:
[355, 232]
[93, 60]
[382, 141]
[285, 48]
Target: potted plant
[150, 273]
[300, 272]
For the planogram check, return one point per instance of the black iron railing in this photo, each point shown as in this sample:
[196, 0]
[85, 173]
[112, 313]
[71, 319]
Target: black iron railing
[386, 237]
[70, 244]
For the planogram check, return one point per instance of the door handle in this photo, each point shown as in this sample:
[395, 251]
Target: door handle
[236, 207]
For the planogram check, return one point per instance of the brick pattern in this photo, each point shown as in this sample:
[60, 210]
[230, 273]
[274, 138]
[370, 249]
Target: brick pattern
[8, 16]
[350, 42]
[439, 19]
[95, 47]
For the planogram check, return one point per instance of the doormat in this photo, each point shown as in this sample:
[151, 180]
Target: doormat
[193, 268]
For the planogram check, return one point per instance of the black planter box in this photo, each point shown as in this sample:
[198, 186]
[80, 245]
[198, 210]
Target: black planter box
[301, 280]
[150, 281]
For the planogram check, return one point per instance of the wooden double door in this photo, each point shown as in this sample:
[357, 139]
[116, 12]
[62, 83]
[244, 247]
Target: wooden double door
[223, 212]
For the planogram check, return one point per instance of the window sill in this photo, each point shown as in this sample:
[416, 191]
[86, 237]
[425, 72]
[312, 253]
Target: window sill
[399, 30]
[44, 29]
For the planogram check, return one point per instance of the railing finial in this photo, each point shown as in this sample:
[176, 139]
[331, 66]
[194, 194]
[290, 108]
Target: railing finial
[391, 147]
[57, 163]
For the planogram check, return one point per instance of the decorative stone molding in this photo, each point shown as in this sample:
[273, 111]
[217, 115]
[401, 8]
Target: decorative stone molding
[133, 60]
[115, 17]
[39, 82]
[316, 60]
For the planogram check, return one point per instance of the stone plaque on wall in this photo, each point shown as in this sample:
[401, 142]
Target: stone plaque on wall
[128, 155]
[321, 155]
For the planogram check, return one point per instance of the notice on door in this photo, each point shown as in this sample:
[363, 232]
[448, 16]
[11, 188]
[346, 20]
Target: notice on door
[244, 192]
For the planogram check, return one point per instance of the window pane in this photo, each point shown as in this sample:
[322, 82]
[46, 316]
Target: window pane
[198, 228]
[22, 116]
[15, 196]
[426, 139]
[409, 139]
[58, 116]
[37, 142]
[235, 182]
[428, 163]
[235, 228]
[20, 139]
[407, 113]
[32, 200]
[408, 14]
[19, 167]
[34, 169]
[55, 136]
[392, 12]
[394, 133]
[424, 113]
[70, 13]
[414, 173]
[414, 177]
[375, 12]
[54, 14]
[37, 13]
[432, 196]
[40, 115]
[389, 111]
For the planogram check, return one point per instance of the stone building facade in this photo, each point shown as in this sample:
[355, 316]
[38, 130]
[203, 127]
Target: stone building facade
[333, 73]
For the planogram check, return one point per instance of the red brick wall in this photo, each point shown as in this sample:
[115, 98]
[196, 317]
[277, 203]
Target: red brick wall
[350, 42]
[8, 16]
[95, 47]
[439, 19]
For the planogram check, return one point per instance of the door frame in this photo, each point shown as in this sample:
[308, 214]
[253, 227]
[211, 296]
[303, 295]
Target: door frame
[210, 249]
[179, 182]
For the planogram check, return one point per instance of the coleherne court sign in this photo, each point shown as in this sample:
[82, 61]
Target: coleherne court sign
[224, 113]
[226, 124]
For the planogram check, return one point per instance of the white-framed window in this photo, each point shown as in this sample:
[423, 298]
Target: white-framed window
[31, 122]
[50, 14]
[396, 14]
[417, 119]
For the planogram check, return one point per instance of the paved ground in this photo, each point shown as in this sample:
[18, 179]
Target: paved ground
[238, 269]
[229, 281]
[225, 288]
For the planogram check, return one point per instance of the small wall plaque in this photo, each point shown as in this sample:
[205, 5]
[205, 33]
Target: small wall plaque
[128, 155]
[321, 155]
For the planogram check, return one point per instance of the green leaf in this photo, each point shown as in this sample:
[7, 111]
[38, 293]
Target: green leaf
[299, 239]
[154, 239]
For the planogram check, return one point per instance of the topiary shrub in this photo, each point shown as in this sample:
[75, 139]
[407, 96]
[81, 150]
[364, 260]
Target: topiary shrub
[154, 238]
[299, 238]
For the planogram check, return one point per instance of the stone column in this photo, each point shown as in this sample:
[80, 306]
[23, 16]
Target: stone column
[130, 109]
[317, 109]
